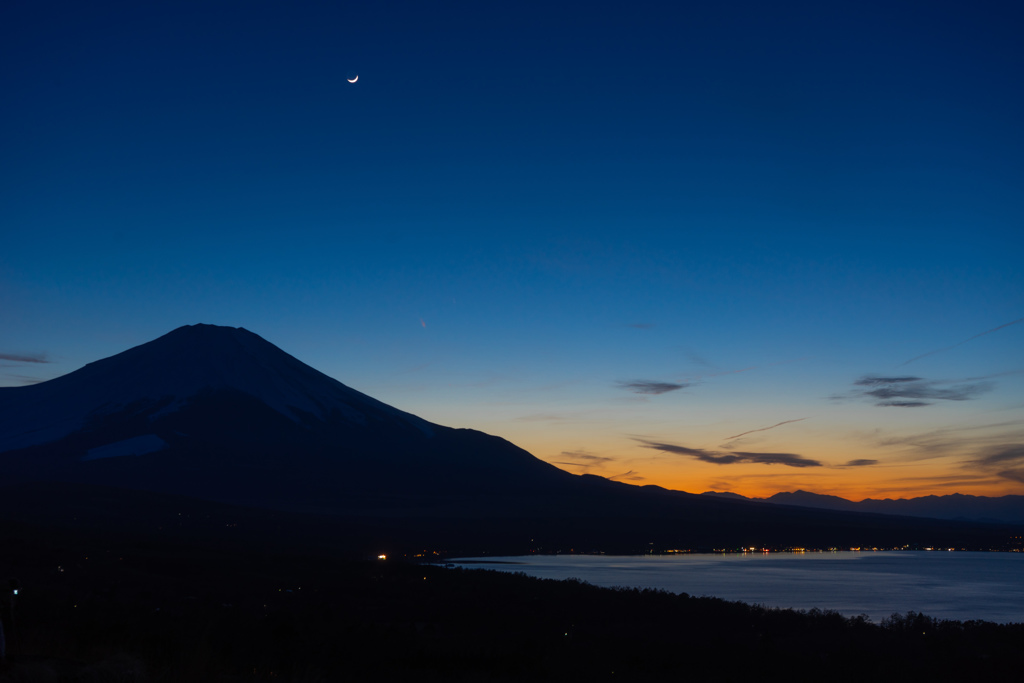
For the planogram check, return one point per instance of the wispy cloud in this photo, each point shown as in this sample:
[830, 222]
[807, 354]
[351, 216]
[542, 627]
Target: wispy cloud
[628, 476]
[861, 462]
[947, 348]
[1001, 455]
[957, 437]
[733, 457]
[583, 460]
[1013, 475]
[914, 392]
[789, 459]
[697, 359]
[24, 357]
[584, 455]
[24, 379]
[875, 380]
[1006, 461]
[764, 429]
[16, 360]
[939, 479]
[643, 386]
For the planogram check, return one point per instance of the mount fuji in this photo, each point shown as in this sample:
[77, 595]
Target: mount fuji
[222, 414]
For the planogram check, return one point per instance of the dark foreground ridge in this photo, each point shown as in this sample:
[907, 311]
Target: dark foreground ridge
[249, 603]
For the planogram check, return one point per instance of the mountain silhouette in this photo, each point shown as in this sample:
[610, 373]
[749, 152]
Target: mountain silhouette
[955, 506]
[218, 414]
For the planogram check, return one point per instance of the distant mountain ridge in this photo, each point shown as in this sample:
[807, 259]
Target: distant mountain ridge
[956, 506]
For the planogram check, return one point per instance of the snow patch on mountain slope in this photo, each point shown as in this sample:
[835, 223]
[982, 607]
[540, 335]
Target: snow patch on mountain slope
[139, 445]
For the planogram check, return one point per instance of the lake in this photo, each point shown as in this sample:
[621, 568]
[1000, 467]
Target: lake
[943, 585]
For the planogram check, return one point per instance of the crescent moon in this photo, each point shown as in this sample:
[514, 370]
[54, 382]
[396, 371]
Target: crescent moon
[353, 80]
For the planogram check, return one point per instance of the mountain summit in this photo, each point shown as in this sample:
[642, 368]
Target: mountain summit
[166, 374]
[221, 413]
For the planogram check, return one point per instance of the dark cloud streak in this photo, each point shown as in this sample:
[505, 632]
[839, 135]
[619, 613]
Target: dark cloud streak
[788, 459]
[1013, 475]
[583, 460]
[1006, 459]
[586, 456]
[733, 457]
[962, 392]
[24, 357]
[642, 386]
[1001, 455]
[915, 392]
[631, 475]
[873, 380]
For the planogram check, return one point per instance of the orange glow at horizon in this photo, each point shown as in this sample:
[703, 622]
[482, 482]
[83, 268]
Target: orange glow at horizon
[854, 472]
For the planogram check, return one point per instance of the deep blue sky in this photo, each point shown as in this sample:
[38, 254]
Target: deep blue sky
[529, 219]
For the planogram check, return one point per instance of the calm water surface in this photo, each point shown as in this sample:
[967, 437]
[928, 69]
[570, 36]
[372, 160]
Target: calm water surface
[944, 585]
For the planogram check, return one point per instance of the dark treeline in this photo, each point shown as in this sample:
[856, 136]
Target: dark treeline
[137, 613]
